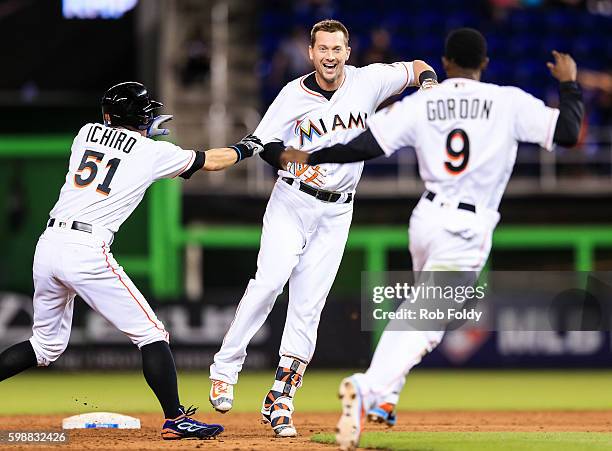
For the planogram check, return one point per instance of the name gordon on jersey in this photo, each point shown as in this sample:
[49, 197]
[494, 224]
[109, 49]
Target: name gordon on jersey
[111, 137]
[449, 109]
[307, 129]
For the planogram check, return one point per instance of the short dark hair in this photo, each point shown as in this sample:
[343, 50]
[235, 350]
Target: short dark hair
[466, 47]
[329, 26]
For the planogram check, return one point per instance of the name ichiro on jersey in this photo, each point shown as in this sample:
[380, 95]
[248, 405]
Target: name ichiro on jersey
[450, 109]
[111, 137]
[306, 129]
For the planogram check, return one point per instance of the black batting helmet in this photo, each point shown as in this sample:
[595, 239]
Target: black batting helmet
[128, 104]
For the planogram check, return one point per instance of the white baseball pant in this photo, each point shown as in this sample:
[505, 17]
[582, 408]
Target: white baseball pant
[442, 238]
[302, 241]
[69, 262]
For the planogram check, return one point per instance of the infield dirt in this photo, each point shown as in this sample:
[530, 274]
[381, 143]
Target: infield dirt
[245, 432]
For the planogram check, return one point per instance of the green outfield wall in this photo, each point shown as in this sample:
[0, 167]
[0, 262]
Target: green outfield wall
[152, 240]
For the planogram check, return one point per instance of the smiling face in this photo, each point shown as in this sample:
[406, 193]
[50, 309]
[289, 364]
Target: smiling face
[328, 54]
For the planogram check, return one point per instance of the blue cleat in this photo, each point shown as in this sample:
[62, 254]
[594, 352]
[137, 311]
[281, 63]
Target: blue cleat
[383, 413]
[184, 427]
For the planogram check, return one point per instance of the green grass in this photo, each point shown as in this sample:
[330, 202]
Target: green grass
[41, 391]
[481, 441]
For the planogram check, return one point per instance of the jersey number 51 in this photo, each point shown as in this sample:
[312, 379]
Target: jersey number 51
[90, 161]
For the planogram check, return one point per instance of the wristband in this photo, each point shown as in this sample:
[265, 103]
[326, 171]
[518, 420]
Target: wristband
[239, 151]
[427, 75]
[247, 147]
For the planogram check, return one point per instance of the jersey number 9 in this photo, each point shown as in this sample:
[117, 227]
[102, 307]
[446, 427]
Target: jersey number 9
[458, 151]
[90, 161]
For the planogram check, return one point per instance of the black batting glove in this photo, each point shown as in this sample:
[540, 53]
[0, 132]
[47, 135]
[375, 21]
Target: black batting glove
[247, 147]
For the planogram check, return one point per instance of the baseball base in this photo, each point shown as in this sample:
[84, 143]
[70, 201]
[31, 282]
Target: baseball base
[104, 420]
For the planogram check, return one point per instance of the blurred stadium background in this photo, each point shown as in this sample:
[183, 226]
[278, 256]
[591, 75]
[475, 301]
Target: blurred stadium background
[216, 64]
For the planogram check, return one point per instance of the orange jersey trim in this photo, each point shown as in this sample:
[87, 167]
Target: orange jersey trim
[188, 165]
[108, 265]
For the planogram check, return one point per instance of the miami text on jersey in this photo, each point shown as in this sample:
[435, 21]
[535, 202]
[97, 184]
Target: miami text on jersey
[306, 129]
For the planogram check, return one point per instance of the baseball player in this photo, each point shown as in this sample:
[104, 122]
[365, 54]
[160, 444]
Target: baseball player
[111, 166]
[466, 135]
[309, 213]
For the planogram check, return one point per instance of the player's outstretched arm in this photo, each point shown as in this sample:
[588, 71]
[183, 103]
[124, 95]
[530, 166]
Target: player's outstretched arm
[272, 154]
[219, 159]
[224, 157]
[571, 107]
[424, 75]
[363, 147]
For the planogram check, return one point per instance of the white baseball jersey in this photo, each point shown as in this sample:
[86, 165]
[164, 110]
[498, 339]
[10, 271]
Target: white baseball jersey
[306, 120]
[108, 174]
[303, 238]
[466, 135]
[109, 171]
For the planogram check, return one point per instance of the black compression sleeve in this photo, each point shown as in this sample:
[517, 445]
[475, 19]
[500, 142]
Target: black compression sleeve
[364, 147]
[160, 373]
[571, 111]
[198, 164]
[16, 359]
[271, 154]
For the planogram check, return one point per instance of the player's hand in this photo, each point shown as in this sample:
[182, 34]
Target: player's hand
[291, 155]
[247, 147]
[155, 130]
[253, 143]
[564, 67]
